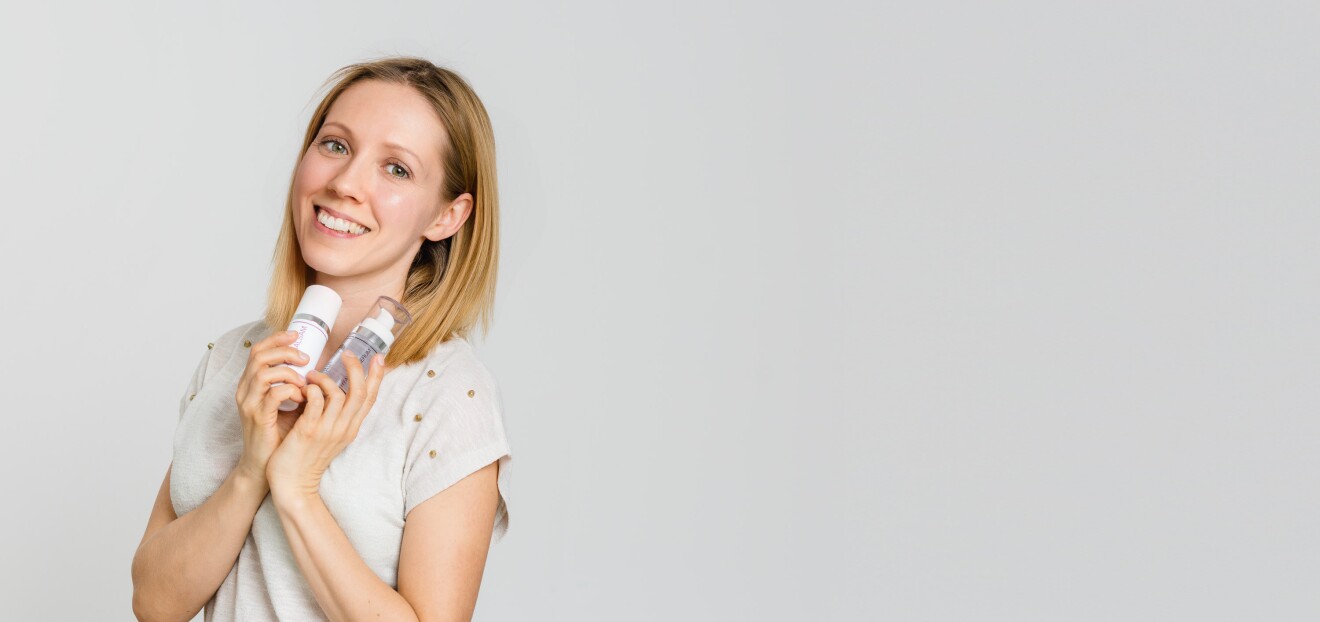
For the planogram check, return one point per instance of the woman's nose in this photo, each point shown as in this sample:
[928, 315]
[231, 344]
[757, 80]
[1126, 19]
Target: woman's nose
[348, 182]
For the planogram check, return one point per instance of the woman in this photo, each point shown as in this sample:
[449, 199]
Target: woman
[380, 502]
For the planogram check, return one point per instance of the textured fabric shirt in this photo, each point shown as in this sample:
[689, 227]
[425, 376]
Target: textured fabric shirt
[425, 432]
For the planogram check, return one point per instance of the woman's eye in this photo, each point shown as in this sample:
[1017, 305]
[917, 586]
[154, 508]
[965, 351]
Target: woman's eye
[330, 141]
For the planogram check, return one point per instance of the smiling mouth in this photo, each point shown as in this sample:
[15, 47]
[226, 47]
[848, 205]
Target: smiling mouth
[338, 225]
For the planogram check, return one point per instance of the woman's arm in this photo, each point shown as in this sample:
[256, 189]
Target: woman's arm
[344, 586]
[182, 561]
[442, 559]
[445, 542]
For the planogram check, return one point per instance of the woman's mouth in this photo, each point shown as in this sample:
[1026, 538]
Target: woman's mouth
[337, 227]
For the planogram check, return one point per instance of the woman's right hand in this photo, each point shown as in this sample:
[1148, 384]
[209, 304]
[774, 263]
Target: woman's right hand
[264, 425]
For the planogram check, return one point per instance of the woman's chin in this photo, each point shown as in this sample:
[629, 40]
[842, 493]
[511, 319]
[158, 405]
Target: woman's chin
[328, 268]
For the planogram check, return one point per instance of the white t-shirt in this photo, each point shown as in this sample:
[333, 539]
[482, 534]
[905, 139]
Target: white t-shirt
[369, 488]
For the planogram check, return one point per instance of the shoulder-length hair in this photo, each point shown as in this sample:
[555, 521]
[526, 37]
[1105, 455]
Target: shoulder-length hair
[451, 283]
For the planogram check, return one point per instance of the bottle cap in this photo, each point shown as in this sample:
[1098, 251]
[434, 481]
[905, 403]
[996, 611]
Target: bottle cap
[322, 302]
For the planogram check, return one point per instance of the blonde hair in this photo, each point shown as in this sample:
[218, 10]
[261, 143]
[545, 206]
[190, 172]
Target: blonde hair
[451, 283]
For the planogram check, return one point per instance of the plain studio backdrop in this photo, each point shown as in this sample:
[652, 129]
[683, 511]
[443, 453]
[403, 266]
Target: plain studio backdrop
[815, 311]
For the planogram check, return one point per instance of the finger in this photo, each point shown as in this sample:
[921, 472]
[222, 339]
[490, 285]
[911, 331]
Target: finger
[348, 402]
[331, 396]
[374, 376]
[281, 355]
[272, 375]
[281, 338]
[256, 388]
[359, 392]
[329, 389]
[356, 380]
[315, 403]
[277, 395]
[257, 358]
[367, 394]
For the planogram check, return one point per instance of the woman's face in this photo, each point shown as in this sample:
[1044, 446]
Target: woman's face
[367, 192]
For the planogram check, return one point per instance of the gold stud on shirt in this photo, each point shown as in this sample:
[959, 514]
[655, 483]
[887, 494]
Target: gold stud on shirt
[471, 392]
[247, 343]
[191, 396]
[432, 453]
[210, 345]
[417, 417]
[430, 373]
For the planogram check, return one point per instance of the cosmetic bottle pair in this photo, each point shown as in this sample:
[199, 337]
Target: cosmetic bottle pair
[316, 314]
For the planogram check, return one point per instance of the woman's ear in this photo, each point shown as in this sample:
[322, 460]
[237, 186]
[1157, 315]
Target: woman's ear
[451, 218]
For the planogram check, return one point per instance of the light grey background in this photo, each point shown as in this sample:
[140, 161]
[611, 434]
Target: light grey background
[817, 311]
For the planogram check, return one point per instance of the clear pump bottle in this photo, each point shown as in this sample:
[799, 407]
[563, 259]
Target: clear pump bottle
[374, 335]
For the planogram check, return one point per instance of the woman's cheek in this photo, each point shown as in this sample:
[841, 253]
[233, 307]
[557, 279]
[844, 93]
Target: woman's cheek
[391, 209]
[313, 172]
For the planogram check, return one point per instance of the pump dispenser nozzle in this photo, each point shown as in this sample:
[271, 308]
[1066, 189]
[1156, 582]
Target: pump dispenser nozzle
[382, 325]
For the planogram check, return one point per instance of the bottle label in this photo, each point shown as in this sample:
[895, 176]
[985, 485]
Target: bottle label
[310, 341]
[354, 346]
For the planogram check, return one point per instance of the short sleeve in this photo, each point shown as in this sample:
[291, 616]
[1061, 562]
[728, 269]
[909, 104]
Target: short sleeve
[195, 383]
[461, 431]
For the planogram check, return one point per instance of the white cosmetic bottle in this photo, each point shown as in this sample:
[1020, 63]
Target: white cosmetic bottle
[313, 319]
[373, 335]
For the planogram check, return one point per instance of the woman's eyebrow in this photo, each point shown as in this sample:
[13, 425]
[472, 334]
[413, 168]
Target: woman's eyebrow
[390, 145]
[405, 150]
[341, 125]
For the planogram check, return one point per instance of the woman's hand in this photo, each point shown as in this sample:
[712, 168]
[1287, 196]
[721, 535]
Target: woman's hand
[264, 425]
[329, 422]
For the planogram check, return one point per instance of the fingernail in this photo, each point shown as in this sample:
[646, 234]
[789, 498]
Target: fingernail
[378, 360]
[302, 356]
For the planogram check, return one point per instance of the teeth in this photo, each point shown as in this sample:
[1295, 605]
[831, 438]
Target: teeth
[339, 224]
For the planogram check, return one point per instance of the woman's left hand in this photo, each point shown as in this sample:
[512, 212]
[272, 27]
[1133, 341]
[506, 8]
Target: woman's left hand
[329, 422]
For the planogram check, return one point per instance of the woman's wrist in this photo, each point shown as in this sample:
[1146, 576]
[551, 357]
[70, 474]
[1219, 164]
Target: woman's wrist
[248, 479]
[290, 495]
